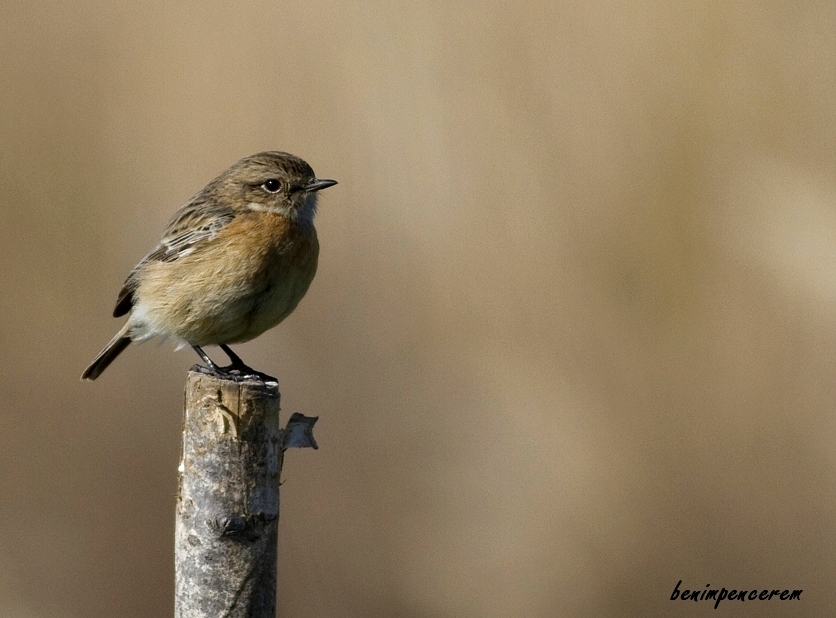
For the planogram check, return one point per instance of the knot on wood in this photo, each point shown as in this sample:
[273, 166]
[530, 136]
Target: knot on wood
[238, 527]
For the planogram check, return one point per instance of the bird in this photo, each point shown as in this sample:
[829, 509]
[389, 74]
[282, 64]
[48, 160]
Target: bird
[233, 262]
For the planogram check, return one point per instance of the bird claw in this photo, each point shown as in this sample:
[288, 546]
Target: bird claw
[236, 373]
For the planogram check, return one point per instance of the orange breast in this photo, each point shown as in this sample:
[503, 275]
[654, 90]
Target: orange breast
[244, 281]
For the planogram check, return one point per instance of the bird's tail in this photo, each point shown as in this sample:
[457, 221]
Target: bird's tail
[113, 349]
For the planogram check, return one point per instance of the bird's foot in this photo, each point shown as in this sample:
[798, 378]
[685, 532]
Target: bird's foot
[237, 371]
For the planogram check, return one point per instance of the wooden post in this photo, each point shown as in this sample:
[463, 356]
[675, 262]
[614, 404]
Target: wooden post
[228, 500]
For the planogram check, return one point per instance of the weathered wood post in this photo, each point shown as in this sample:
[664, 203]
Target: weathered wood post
[226, 531]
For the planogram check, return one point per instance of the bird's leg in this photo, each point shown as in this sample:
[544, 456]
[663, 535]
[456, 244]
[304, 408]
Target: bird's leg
[238, 371]
[241, 368]
[237, 363]
[211, 367]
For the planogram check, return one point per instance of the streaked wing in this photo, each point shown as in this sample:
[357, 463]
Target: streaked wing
[196, 222]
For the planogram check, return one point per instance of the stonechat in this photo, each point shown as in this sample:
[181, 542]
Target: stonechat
[233, 262]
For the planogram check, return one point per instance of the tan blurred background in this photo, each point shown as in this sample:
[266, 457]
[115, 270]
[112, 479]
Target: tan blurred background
[573, 336]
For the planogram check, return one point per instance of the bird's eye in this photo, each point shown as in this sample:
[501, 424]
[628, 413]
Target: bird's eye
[272, 185]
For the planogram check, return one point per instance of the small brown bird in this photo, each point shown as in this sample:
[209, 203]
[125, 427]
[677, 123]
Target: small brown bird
[232, 263]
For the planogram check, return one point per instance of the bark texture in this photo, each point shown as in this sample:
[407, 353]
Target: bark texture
[228, 501]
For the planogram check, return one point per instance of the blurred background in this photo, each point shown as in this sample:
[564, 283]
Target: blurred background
[573, 335]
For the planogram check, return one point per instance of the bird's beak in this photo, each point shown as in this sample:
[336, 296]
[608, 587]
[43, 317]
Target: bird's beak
[319, 184]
